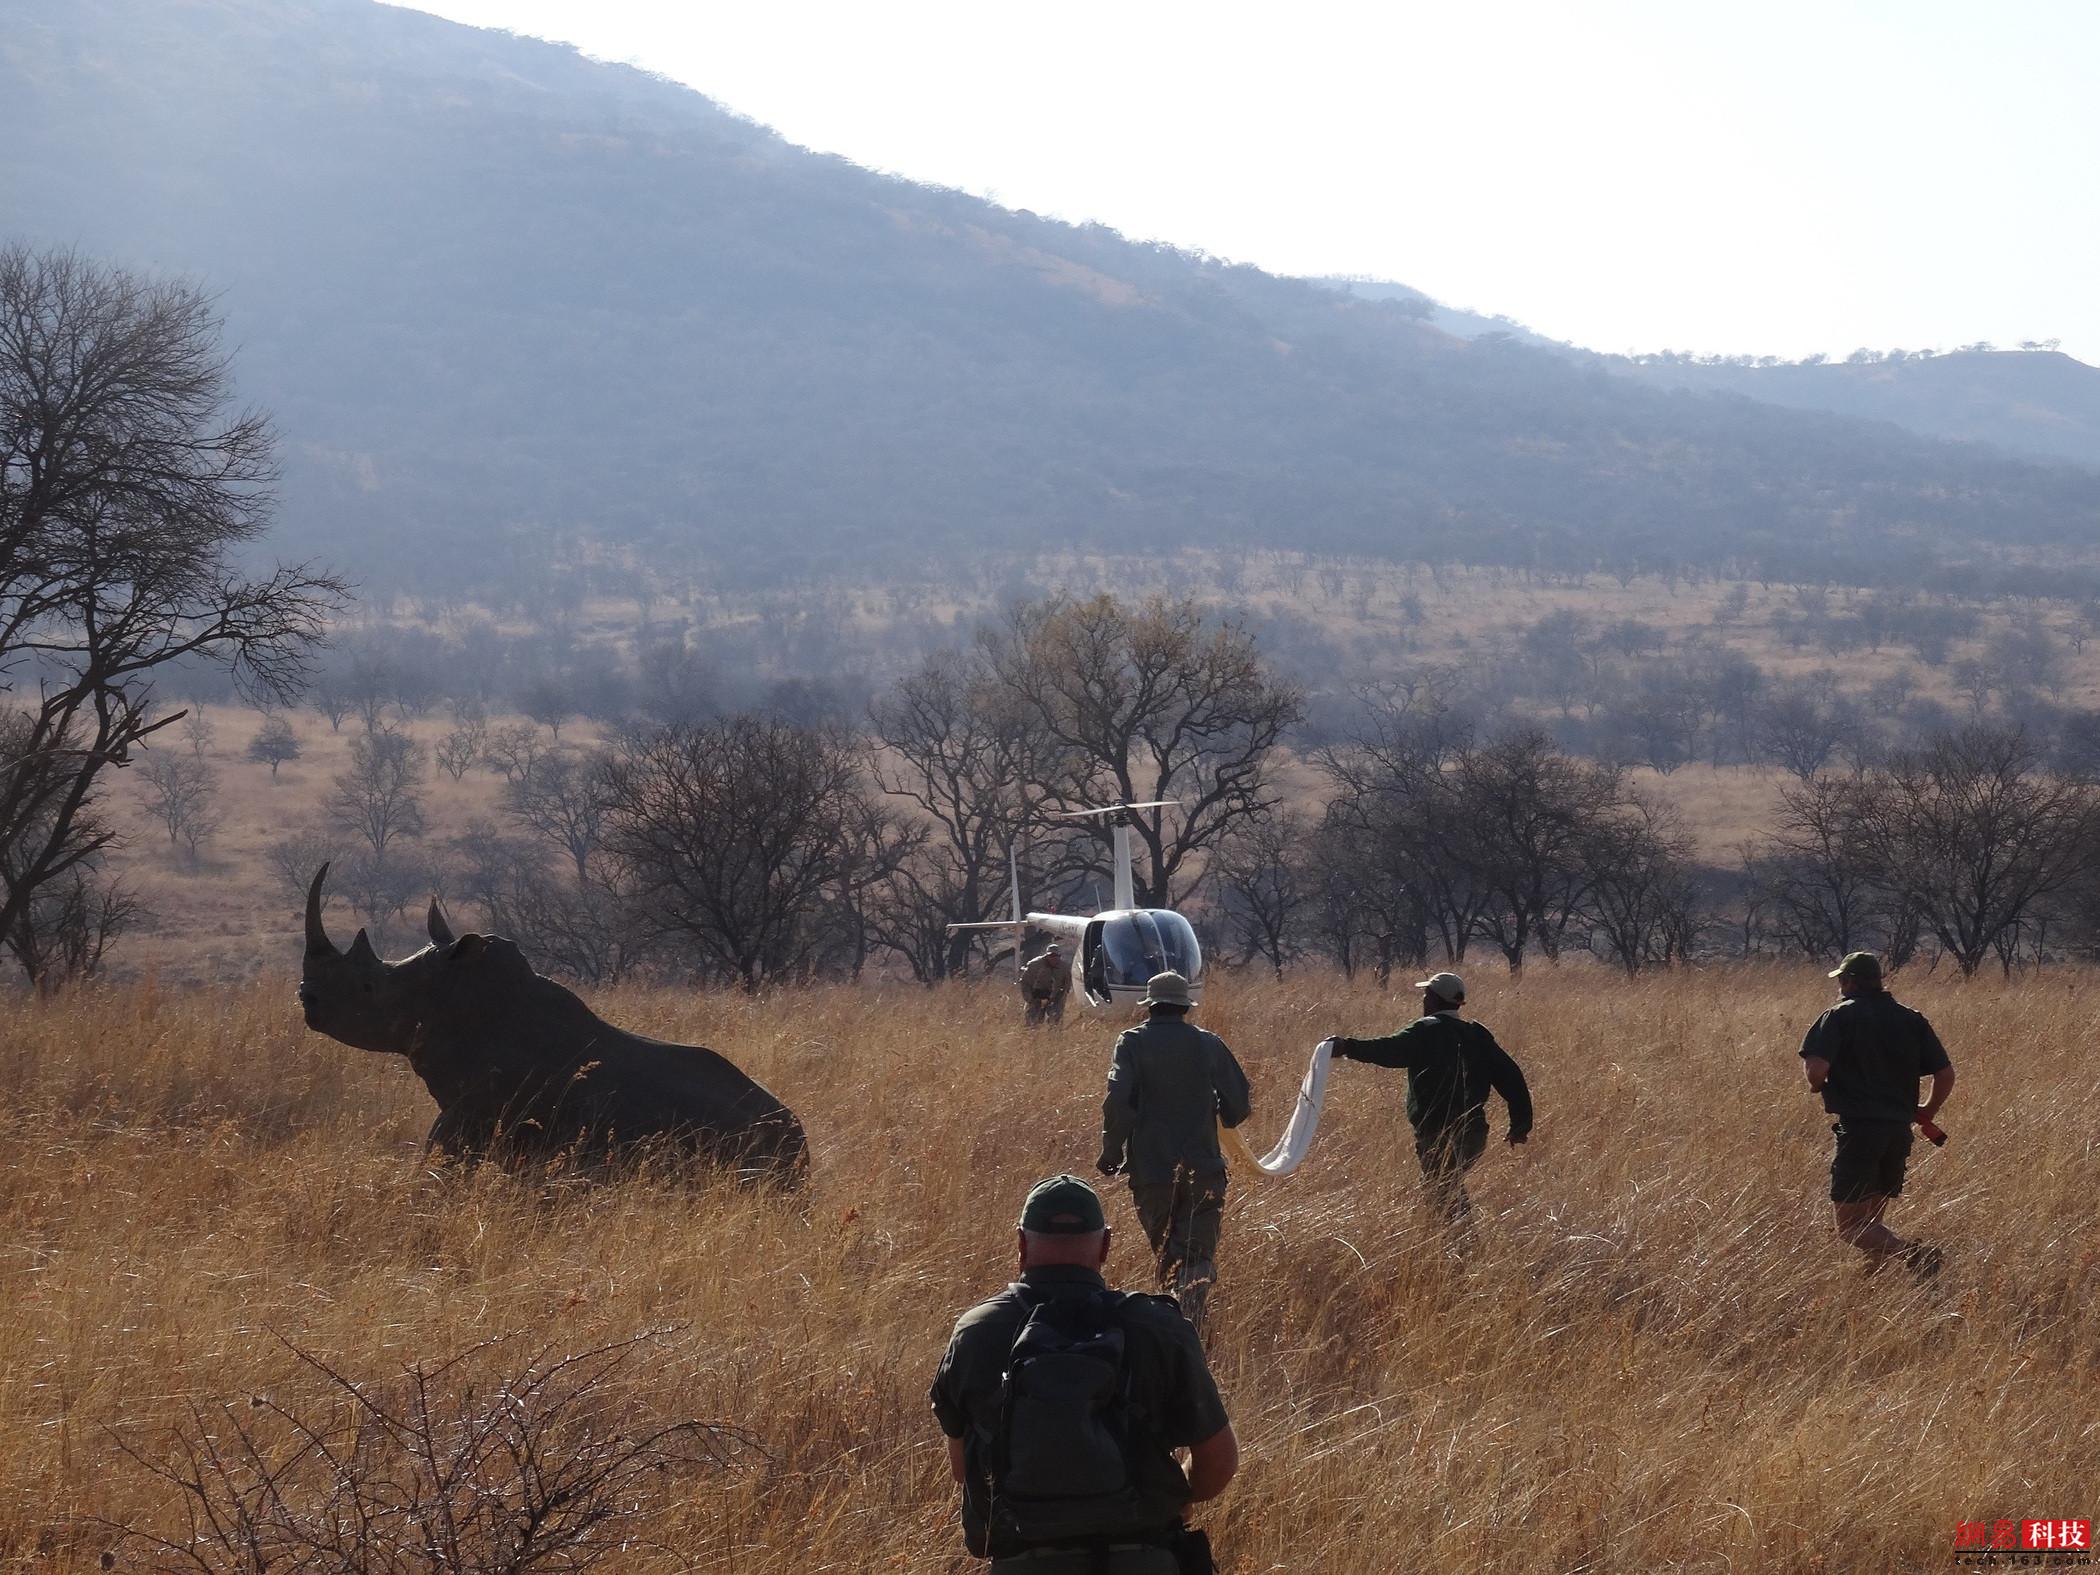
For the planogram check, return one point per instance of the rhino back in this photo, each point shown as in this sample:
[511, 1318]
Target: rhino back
[540, 1056]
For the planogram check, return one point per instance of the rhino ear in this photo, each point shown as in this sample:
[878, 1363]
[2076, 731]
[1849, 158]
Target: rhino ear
[361, 949]
[440, 931]
[466, 948]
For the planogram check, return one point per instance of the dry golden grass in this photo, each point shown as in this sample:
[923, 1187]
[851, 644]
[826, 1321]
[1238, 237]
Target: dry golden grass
[1658, 1359]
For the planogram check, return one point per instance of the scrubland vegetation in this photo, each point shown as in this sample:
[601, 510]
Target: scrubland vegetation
[1657, 1359]
[1727, 791]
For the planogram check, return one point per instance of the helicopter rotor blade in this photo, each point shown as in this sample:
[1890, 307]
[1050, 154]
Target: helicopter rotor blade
[1114, 809]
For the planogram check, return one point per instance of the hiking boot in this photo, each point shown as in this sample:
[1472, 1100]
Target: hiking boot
[1922, 1259]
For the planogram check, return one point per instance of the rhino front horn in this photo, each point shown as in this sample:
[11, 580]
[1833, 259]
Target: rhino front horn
[440, 931]
[317, 942]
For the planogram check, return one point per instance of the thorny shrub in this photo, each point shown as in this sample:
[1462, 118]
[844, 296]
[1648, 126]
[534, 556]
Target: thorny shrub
[456, 1465]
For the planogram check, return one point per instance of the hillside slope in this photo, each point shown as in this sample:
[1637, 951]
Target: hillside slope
[500, 296]
[2039, 402]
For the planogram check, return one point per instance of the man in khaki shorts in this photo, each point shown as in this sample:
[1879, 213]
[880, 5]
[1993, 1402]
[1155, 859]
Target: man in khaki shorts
[1865, 1056]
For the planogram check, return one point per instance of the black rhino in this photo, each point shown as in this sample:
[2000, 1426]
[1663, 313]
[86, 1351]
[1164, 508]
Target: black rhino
[522, 1071]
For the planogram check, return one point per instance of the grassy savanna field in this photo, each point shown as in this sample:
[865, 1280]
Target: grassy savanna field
[1657, 1358]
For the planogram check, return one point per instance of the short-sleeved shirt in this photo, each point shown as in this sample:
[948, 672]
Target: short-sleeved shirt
[1172, 1392]
[1169, 1085]
[1047, 975]
[1452, 1065]
[1877, 1048]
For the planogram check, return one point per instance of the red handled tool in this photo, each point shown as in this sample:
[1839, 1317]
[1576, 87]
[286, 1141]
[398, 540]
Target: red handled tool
[1939, 1138]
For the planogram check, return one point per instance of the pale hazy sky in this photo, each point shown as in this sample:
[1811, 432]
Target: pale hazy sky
[1771, 176]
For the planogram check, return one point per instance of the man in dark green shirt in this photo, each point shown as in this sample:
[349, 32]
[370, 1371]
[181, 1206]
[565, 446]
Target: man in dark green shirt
[1865, 1056]
[1452, 1065]
[1170, 1084]
[1172, 1402]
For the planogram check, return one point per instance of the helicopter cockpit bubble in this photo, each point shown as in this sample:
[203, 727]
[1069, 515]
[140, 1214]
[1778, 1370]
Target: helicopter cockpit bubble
[1124, 950]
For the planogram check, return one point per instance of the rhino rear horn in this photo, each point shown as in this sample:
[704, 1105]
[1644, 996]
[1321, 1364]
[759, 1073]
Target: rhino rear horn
[440, 931]
[361, 949]
[317, 942]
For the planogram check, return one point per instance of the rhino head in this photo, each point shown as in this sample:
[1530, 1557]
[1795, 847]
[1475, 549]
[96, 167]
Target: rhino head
[357, 997]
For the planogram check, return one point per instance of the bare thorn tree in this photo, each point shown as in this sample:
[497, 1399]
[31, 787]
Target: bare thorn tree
[64, 930]
[1644, 898]
[511, 750]
[1264, 881]
[461, 748]
[125, 486]
[199, 732]
[1820, 889]
[562, 797]
[952, 744]
[1973, 832]
[747, 837]
[1156, 701]
[380, 796]
[183, 794]
[273, 744]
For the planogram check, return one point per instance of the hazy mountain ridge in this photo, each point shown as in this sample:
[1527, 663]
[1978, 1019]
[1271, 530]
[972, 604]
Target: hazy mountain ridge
[494, 292]
[2039, 402]
[1451, 319]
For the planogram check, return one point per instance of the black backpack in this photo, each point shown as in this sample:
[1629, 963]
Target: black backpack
[1062, 1462]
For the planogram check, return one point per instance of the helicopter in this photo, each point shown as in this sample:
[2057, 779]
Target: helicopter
[1122, 947]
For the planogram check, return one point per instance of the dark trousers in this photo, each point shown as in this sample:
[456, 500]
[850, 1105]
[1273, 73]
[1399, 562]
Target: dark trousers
[1046, 1008]
[1445, 1157]
[1112, 1561]
[1182, 1219]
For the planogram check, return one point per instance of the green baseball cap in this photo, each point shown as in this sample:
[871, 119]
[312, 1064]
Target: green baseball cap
[1858, 965]
[1063, 1206]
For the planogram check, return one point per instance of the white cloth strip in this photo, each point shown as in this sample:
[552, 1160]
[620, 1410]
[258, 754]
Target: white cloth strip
[1297, 1139]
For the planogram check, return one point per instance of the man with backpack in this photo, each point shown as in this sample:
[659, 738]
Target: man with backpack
[1451, 1067]
[1063, 1403]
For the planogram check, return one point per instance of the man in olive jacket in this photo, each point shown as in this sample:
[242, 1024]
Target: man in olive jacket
[1169, 1086]
[1045, 981]
[1451, 1067]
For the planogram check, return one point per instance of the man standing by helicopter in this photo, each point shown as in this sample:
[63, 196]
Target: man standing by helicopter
[1170, 1084]
[1046, 979]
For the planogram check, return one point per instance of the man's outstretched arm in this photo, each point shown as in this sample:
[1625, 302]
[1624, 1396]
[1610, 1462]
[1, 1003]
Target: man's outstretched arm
[1392, 1050]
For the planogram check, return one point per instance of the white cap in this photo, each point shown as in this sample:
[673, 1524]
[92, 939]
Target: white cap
[1444, 986]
